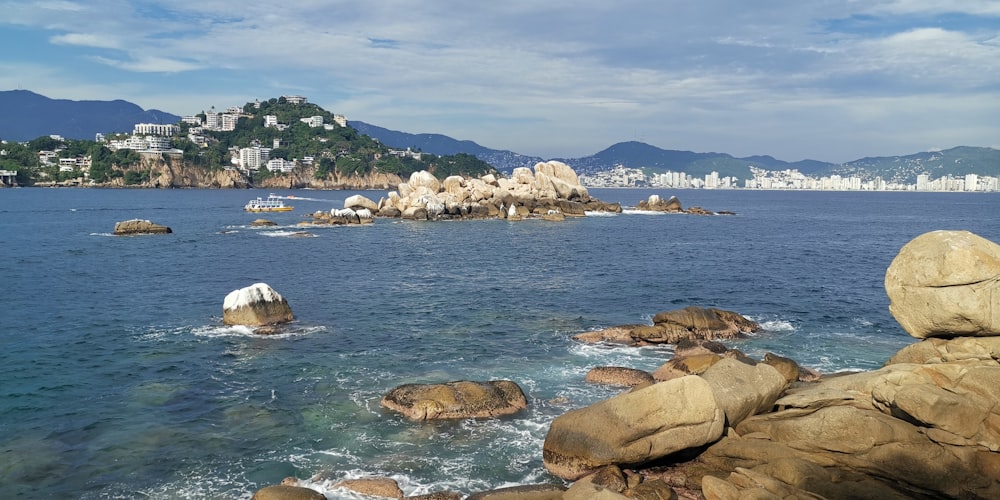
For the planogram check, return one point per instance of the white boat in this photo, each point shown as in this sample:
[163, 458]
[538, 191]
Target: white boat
[272, 203]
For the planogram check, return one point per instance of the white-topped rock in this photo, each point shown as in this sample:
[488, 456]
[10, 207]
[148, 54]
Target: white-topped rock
[255, 305]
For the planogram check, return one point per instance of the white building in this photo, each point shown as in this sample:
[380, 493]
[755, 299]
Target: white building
[155, 129]
[253, 158]
[313, 121]
[270, 120]
[294, 99]
[280, 165]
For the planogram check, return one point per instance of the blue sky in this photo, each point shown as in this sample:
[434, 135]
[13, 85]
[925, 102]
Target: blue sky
[822, 79]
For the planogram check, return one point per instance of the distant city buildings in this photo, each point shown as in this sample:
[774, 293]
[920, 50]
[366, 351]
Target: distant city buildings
[620, 176]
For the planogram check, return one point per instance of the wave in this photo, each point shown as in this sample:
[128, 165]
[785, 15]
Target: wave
[590, 213]
[633, 211]
[284, 331]
[288, 234]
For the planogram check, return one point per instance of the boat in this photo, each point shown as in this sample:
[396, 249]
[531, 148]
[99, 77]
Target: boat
[272, 203]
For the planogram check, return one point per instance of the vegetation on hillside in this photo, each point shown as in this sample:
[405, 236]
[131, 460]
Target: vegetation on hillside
[336, 151]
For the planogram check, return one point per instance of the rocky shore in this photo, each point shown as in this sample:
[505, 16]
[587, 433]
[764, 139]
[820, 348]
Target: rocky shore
[926, 425]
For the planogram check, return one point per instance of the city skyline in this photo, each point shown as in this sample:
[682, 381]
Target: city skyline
[830, 82]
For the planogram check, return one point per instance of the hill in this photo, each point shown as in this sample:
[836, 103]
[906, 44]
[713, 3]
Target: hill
[634, 154]
[956, 162]
[25, 115]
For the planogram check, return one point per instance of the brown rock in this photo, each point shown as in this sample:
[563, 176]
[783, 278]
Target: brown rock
[632, 428]
[618, 376]
[255, 305]
[284, 492]
[681, 366]
[461, 399]
[373, 486]
[708, 323]
[139, 226]
[527, 492]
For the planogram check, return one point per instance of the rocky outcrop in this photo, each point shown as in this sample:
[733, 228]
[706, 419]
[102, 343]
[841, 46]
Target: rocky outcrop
[946, 284]
[255, 305]
[664, 418]
[672, 205]
[552, 191]
[658, 204]
[451, 400]
[671, 327]
[139, 226]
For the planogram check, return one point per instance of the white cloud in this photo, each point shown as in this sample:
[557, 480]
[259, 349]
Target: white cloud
[86, 40]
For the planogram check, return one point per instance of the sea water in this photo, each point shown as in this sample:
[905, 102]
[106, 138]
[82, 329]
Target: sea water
[119, 380]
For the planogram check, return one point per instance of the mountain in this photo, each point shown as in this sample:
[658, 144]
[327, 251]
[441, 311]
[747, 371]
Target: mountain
[25, 115]
[634, 154]
[956, 162]
[441, 145]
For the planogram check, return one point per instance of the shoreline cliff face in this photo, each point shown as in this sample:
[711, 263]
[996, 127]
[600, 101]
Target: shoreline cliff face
[175, 174]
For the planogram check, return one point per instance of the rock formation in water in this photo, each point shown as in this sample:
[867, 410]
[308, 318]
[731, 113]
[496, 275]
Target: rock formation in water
[672, 205]
[671, 327]
[461, 399]
[139, 226]
[552, 191]
[255, 305]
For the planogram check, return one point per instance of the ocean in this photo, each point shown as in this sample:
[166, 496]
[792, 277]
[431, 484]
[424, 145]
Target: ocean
[119, 380]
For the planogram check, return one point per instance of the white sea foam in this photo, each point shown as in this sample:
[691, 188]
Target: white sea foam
[285, 331]
[594, 213]
[102, 234]
[632, 211]
[776, 325]
[288, 234]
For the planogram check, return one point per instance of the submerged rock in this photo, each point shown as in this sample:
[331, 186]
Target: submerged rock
[255, 305]
[140, 226]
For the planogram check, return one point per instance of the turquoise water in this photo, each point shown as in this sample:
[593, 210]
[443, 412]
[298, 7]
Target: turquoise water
[119, 380]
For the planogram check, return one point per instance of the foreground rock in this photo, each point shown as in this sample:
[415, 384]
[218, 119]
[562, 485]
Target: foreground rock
[664, 418]
[671, 327]
[461, 399]
[552, 191]
[139, 226]
[255, 305]
[287, 492]
[945, 284]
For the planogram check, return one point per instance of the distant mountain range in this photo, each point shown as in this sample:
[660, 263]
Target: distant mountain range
[25, 115]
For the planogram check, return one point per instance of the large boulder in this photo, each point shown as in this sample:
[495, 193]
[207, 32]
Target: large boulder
[618, 376]
[904, 431]
[139, 226]
[634, 427]
[358, 201]
[255, 305]
[945, 284]
[461, 399]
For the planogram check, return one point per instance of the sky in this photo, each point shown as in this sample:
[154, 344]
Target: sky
[829, 80]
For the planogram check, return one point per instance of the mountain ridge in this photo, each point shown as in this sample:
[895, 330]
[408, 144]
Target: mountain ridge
[25, 115]
[34, 115]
